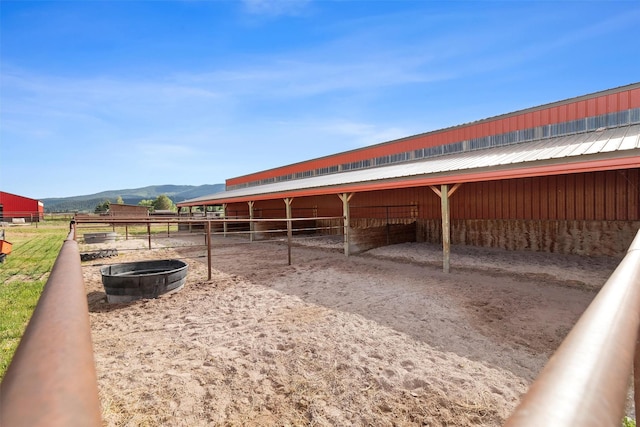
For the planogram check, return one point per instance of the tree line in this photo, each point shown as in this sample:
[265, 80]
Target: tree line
[160, 203]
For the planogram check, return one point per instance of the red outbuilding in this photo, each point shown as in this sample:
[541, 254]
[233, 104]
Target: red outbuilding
[13, 207]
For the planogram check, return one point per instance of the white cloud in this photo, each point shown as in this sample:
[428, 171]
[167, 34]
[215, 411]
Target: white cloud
[361, 134]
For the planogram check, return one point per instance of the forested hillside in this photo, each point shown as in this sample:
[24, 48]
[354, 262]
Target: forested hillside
[87, 203]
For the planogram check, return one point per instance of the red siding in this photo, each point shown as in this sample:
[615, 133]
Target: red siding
[18, 206]
[610, 195]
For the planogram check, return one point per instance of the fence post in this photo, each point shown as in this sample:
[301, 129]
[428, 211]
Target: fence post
[209, 249]
[288, 202]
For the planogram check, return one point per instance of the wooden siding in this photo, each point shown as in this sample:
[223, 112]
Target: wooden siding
[608, 195]
[593, 213]
[592, 196]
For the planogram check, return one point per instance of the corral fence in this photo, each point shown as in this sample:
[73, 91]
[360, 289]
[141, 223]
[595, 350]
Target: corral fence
[21, 217]
[52, 381]
[209, 226]
[585, 382]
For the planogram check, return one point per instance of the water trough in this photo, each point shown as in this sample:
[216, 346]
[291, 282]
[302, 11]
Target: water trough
[130, 281]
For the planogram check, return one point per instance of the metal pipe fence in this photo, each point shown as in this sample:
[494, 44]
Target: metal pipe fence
[51, 380]
[206, 223]
[586, 381]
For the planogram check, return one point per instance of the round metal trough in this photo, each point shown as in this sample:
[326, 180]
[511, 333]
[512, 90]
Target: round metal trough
[99, 237]
[143, 279]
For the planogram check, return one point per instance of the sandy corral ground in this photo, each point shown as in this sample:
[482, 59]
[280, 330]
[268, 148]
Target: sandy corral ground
[382, 338]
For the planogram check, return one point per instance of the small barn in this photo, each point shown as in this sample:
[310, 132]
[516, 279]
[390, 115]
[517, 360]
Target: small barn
[128, 211]
[560, 177]
[17, 208]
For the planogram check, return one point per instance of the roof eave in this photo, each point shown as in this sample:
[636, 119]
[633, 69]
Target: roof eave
[587, 163]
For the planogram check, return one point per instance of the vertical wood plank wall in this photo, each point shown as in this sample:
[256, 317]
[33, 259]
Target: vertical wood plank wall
[610, 195]
[594, 213]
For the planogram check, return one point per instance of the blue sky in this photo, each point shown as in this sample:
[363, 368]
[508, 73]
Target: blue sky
[107, 95]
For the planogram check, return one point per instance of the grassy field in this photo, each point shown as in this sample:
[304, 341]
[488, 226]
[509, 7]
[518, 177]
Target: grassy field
[22, 277]
[26, 270]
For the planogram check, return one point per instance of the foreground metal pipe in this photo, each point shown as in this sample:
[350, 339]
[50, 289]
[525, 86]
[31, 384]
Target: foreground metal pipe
[52, 379]
[585, 382]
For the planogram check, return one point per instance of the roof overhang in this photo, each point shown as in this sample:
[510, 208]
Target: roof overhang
[611, 149]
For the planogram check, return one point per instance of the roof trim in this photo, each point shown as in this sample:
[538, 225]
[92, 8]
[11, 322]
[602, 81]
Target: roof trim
[626, 159]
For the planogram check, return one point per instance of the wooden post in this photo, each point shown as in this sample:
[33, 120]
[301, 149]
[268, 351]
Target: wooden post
[346, 197]
[446, 231]
[149, 233]
[209, 250]
[126, 232]
[224, 215]
[287, 202]
[444, 193]
[250, 220]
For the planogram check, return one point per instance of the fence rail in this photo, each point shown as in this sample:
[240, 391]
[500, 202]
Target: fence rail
[51, 380]
[586, 381]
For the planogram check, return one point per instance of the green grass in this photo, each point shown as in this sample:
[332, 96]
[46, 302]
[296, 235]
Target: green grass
[22, 277]
[25, 272]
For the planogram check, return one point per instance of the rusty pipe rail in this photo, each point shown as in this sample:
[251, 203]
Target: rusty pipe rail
[51, 380]
[585, 382]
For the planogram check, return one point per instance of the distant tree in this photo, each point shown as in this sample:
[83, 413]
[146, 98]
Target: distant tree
[103, 207]
[164, 203]
[119, 200]
[148, 203]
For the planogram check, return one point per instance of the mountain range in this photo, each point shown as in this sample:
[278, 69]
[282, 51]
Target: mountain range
[88, 203]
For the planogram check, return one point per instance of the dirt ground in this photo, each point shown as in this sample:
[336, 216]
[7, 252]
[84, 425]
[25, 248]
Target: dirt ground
[383, 338]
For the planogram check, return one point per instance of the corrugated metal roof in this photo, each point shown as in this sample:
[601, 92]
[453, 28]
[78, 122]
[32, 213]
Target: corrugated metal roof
[622, 142]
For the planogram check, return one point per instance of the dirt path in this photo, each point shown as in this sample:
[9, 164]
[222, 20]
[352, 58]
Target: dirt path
[382, 338]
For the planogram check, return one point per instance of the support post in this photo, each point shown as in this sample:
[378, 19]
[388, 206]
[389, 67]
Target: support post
[250, 203]
[346, 197]
[287, 202]
[208, 250]
[224, 215]
[446, 231]
[444, 193]
[149, 233]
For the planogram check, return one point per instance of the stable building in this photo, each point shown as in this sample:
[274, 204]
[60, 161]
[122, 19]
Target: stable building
[561, 177]
[15, 208]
